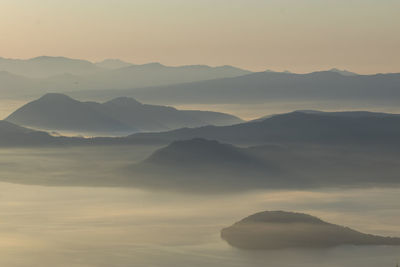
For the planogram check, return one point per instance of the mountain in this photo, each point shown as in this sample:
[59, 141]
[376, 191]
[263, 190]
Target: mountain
[280, 229]
[201, 165]
[118, 117]
[113, 64]
[295, 128]
[195, 152]
[60, 112]
[264, 87]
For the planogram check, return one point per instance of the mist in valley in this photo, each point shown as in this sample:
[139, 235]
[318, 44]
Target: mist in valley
[199, 133]
[68, 224]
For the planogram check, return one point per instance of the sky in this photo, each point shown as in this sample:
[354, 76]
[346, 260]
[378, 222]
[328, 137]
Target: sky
[296, 35]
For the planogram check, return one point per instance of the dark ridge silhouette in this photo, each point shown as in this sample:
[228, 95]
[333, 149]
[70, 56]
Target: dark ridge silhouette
[296, 127]
[119, 116]
[280, 229]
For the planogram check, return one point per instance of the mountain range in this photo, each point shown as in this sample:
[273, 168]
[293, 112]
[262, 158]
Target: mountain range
[208, 166]
[295, 128]
[24, 78]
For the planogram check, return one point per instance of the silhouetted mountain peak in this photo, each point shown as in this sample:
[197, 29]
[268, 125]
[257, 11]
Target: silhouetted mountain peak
[56, 97]
[343, 72]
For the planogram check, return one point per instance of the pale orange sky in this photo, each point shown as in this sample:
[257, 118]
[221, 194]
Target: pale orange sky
[298, 35]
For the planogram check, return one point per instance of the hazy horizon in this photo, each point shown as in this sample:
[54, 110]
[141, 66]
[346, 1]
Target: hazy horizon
[300, 36]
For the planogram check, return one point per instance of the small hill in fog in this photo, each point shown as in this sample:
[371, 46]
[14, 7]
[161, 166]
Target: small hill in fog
[119, 116]
[201, 165]
[280, 229]
[200, 151]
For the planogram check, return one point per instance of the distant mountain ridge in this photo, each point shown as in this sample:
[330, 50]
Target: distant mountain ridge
[119, 116]
[45, 66]
[48, 74]
[296, 127]
[263, 87]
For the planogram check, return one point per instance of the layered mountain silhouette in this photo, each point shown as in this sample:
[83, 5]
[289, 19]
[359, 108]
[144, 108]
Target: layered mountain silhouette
[300, 127]
[46, 74]
[263, 87]
[118, 116]
[280, 229]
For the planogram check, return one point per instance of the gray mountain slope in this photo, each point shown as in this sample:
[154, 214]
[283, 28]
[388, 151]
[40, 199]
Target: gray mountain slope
[12, 135]
[279, 230]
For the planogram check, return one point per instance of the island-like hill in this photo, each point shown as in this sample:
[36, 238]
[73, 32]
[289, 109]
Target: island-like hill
[300, 127]
[118, 116]
[279, 230]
